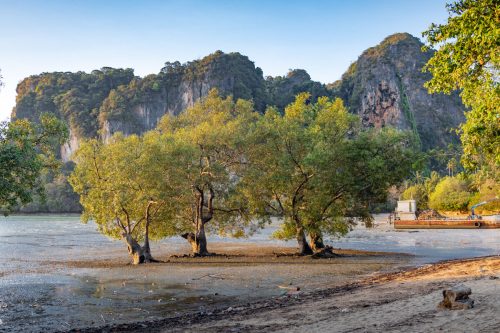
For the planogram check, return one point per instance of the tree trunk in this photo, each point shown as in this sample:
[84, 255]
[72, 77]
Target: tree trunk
[139, 254]
[316, 241]
[304, 248]
[134, 249]
[198, 241]
[146, 250]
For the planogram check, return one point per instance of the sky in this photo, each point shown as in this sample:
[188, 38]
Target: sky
[322, 37]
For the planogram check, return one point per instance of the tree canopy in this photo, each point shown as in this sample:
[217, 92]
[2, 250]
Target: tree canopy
[26, 150]
[128, 187]
[451, 193]
[316, 168]
[468, 59]
[216, 130]
[221, 167]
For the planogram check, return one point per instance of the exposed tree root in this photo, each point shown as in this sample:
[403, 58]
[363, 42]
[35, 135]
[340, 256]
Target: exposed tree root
[326, 252]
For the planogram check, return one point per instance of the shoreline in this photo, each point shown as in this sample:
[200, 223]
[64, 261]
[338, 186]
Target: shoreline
[431, 278]
[61, 282]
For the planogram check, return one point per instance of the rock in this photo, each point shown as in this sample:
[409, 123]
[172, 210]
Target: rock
[385, 88]
[456, 298]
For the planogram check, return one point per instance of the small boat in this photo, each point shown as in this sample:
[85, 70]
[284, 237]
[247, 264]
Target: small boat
[405, 217]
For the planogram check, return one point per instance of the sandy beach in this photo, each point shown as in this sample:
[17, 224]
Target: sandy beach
[396, 302]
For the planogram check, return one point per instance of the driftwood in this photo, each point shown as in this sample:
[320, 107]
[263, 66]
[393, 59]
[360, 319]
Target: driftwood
[456, 298]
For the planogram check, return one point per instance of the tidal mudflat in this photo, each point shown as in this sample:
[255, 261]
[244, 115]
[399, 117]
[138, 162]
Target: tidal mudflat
[57, 274]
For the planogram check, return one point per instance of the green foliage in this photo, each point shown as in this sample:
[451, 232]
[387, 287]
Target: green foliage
[129, 184]
[215, 129]
[59, 196]
[75, 97]
[422, 189]
[444, 160]
[314, 167]
[281, 90]
[416, 192]
[405, 106]
[488, 190]
[468, 59]
[119, 105]
[169, 176]
[26, 150]
[224, 70]
[451, 194]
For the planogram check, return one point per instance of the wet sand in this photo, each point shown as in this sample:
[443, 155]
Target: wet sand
[394, 302]
[78, 294]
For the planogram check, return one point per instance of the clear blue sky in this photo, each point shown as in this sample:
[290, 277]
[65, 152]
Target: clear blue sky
[322, 37]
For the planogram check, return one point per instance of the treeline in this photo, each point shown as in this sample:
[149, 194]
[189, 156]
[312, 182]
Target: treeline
[223, 168]
[57, 196]
[457, 193]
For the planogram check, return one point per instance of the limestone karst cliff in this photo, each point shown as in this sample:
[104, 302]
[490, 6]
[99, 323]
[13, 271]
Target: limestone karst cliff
[138, 106]
[384, 87]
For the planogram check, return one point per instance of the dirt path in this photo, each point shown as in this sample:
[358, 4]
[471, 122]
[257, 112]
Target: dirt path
[398, 302]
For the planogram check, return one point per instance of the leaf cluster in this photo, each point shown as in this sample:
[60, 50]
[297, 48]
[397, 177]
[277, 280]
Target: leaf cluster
[468, 59]
[26, 151]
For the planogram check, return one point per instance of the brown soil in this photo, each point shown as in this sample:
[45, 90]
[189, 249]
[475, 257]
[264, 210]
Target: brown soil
[229, 253]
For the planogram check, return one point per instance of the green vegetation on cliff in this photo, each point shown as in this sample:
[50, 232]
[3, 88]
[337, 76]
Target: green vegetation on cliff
[281, 90]
[110, 100]
[75, 97]
[385, 87]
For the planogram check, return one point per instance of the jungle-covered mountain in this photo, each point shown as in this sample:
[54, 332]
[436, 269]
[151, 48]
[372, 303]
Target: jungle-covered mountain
[384, 86]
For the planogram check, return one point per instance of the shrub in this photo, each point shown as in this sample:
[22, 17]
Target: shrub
[451, 193]
[488, 190]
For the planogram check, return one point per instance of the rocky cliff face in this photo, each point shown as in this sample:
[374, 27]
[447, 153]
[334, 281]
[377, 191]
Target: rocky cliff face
[178, 87]
[385, 88]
